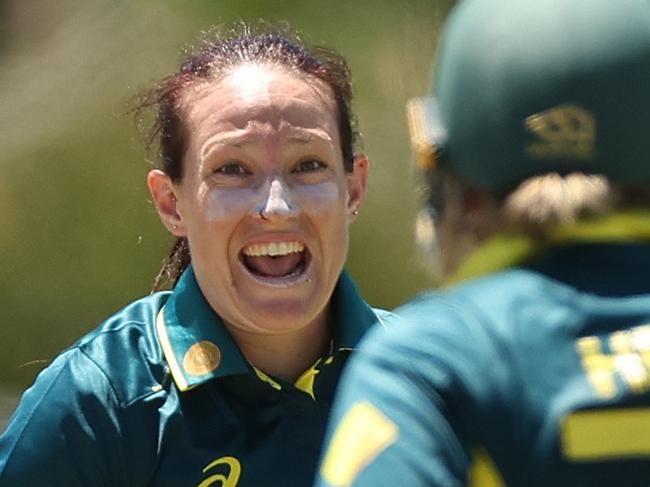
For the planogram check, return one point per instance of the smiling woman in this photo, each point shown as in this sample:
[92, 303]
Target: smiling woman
[227, 378]
[264, 202]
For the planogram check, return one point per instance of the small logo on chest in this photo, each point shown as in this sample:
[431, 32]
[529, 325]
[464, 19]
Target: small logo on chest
[224, 472]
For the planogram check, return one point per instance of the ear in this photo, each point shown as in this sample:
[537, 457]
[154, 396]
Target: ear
[163, 193]
[357, 184]
[481, 211]
[475, 200]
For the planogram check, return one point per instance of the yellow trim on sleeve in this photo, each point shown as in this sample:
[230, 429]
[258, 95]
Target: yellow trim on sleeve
[363, 433]
[594, 435]
[483, 472]
[168, 351]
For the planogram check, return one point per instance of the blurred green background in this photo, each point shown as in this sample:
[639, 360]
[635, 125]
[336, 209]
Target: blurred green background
[79, 237]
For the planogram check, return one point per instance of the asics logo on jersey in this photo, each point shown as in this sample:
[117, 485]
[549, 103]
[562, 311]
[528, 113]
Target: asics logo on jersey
[225, 473]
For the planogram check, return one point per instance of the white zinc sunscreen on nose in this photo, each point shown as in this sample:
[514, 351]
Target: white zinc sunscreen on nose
[278, 200]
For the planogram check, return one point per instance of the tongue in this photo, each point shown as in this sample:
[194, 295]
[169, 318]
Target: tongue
[273, 266]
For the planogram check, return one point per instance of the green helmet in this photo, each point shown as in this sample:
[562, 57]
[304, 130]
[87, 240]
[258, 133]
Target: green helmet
[527, 87]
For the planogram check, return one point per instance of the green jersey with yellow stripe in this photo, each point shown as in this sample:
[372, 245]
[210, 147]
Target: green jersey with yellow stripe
[543, 368]
[160, 395]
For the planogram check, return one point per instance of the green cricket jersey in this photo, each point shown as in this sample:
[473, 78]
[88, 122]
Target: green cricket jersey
[543, 368]
[160, 395]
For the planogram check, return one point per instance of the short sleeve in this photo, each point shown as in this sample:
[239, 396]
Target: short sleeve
[394, 421]
[66, 430]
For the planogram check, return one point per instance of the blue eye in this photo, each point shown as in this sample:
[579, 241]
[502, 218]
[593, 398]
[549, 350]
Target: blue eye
[232, 169]
[310, 165]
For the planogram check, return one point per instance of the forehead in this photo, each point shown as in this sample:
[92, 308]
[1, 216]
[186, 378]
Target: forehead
[251, 93]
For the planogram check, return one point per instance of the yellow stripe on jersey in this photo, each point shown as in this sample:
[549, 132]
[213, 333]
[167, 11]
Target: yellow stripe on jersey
[483, 472]
[363, 434]
[614, 433]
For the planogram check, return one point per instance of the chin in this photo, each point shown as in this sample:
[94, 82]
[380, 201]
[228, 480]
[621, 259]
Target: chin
[285, 315]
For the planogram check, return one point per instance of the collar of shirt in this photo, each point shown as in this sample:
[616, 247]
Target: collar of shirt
[506, 250]
[198, 347]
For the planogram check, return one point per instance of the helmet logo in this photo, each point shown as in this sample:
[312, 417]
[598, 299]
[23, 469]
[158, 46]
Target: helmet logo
[563, 132]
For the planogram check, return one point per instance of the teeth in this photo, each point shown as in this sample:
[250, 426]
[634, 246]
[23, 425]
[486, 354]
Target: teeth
[273, 249]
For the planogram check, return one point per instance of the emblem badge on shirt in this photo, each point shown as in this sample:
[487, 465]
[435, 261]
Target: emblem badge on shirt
[202, 358]
[224, 472]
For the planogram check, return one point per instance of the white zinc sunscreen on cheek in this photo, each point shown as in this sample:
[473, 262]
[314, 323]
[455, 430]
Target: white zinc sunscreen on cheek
[227, 203]
[320, 198]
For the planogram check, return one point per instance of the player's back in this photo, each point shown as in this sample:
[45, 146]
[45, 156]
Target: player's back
[546, 367]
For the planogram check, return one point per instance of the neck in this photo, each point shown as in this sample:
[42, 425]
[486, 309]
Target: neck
[286, 355]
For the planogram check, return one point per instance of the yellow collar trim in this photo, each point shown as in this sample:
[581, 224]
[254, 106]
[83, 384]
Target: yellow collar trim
[506, 250]
[266, 378]
[306, 381]
[168, 351]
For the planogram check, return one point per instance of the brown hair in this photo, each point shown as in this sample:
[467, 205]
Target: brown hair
[218, 54]
[535, 208]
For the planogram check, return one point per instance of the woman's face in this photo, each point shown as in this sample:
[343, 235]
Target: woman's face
[264, 199]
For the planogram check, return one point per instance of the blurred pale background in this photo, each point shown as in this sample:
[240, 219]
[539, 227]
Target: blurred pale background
[79, 238]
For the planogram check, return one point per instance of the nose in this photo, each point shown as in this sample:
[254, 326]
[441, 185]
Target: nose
[277, 203]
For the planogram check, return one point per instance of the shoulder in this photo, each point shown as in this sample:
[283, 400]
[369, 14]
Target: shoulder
[509, 284]
[385, 318]
[469, 328]
[486, 303]
[434, 324]
[464, 329]
[123, 349]
[96, 399]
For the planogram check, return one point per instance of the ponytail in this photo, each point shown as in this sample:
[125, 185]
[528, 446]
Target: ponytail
[173, 265]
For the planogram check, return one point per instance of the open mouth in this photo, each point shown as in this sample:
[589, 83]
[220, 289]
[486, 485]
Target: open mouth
[275, 260]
